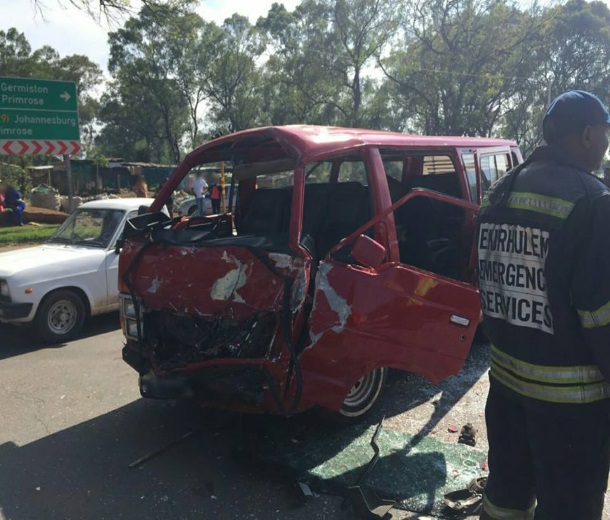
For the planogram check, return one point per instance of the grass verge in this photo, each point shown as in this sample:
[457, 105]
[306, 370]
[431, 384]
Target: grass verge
[26, 234]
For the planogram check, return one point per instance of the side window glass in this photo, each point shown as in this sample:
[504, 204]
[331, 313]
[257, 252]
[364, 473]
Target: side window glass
[393, 169]
[353, 171]
[501, 165]
[488, 172]
[318, 173]
[275, 180]
[334, 210]
[438, 164]
[471, 174]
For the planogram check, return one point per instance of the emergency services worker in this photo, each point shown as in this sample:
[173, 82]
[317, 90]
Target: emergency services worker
[543, 244]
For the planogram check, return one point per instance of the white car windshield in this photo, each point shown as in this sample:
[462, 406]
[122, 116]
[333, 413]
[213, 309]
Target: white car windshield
[89, 227]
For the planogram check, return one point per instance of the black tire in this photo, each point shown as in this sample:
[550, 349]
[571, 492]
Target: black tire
[364, 395]
[192, 210]
[60, 317]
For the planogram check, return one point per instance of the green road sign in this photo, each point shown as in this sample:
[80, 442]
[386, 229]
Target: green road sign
[38, 124]
[38, 109]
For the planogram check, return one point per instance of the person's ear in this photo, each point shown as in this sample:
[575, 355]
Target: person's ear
[587, 138]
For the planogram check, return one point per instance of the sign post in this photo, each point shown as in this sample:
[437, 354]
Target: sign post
[39, 117]
[68, 167]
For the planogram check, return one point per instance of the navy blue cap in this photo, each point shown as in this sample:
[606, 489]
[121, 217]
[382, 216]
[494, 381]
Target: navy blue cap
[571, 112]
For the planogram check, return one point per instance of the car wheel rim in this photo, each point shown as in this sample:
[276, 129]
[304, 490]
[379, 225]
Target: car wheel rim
[62, 317]
[361, 392]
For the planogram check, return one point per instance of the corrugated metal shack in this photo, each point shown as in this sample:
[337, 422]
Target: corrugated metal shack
[90, 179]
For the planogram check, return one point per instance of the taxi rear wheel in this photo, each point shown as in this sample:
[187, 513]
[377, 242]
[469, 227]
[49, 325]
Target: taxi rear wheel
[60, 317]
[363, 396]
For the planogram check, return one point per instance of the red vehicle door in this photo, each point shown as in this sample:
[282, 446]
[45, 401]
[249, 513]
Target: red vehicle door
[370, 313]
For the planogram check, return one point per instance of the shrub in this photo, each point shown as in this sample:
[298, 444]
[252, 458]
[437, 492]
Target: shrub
[16, 176]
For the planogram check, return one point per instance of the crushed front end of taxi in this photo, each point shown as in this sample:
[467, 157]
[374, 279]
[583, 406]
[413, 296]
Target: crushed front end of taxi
[212, 319]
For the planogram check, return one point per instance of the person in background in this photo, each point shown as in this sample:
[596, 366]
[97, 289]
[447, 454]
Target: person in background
[13, 202]
[140, 187]
[199, 188]
[547, 411]
[215, 197]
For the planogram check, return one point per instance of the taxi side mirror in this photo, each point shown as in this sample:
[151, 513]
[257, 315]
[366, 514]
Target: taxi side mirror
[368, 252]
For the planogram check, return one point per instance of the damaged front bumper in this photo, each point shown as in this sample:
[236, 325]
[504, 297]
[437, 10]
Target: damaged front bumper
[246, 386]
[154, 387]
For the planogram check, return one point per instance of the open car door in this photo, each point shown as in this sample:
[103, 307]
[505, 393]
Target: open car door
[370, 313]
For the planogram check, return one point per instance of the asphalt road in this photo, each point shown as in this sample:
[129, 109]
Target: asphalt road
[72, 420]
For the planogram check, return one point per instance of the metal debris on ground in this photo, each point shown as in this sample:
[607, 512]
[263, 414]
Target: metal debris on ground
[163, 449]
[468, 501]
[468, 435]
[365, 502]
[305, 489]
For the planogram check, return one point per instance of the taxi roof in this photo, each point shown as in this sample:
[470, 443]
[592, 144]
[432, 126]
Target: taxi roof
[308, 141]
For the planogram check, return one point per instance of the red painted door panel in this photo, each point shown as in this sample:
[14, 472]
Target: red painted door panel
[395, 316]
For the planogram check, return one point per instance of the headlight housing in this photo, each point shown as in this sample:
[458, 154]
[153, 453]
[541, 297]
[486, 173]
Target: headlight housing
[5, 294]
[131, 329]
[129, 318]
[129, 308]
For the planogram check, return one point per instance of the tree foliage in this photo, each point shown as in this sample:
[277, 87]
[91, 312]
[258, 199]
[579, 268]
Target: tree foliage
[459, 67]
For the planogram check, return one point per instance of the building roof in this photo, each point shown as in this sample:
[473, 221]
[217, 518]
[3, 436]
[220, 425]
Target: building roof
[147, 165]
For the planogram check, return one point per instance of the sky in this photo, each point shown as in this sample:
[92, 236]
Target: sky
[70, 31]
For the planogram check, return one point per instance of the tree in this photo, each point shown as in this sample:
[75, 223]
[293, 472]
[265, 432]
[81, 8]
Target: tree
[460, 67]
[15, 51]
[149, 58]
[574, 53]
[324, 51]
[234, 81]
[110, 9]
[457, 70]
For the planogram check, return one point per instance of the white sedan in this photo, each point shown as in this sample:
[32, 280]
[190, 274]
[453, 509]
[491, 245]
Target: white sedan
[56, 286]
[188, 207]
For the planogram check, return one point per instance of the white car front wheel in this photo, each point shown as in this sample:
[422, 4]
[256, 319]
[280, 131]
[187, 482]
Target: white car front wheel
[60, 317]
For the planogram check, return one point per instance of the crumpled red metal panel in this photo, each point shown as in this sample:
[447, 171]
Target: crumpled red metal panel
[214, 281]
[395, 317]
